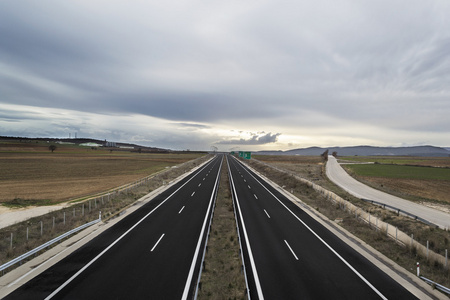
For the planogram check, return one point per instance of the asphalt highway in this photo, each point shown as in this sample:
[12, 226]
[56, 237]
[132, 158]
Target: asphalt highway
[154, 253]
[341, 178]
[289, 255]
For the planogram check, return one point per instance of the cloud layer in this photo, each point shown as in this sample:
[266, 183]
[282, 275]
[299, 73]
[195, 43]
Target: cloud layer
[190, 74]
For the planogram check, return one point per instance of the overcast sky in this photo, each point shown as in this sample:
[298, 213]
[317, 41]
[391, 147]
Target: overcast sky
[246, 75]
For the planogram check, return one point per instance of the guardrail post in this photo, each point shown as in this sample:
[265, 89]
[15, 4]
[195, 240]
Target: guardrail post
[27, 233]
[446, 259]
[11, 240]
[427, 249]
[53, 222]
[42, 228]
[82, 210]
[100, 215]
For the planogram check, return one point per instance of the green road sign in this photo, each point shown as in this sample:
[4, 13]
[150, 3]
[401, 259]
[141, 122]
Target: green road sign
[241, 153]
[247, 155]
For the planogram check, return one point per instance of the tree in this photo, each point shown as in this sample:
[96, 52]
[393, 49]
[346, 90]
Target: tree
[325, 155]
[334, 154]
[52, 148]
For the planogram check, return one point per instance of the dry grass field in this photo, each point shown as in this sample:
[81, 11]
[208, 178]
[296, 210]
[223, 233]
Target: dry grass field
[32, 175]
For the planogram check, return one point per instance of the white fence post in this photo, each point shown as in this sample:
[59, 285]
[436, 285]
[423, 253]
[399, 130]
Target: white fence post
[418, 269]
[446, 259]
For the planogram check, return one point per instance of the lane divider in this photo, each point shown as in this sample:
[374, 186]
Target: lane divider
[292, 251]
[157, 242]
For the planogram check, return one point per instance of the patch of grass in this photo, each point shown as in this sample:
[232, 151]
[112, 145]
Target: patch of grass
[400, 171]
[19, 203]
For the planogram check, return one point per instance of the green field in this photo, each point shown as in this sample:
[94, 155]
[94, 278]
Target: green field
[400, 171]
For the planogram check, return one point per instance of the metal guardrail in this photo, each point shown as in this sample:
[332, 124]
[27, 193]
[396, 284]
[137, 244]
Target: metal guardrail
[398, 210]
[49, 243]
[437, 285]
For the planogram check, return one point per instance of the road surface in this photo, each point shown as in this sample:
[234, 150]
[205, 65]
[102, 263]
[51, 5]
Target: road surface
[154, 253]
[341, 178]
[289, 255]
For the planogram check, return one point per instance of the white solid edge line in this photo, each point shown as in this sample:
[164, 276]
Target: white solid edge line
[325, 243]
[292, 251]
[192, 194]
[197, 249]
[157, 242]
[181, 210]
[118, 239]
[250, 253]
[255, 196]
[267, 213]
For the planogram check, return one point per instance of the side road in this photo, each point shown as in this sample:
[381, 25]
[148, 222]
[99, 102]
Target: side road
[341, 178]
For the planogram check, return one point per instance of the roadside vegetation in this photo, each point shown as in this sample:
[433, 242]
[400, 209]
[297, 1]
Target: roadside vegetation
[281, 169]
[223, 277]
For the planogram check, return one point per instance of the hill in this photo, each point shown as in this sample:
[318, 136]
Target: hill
[365, 151]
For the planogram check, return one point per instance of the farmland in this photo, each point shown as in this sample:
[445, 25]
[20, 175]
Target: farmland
[32, 175]
[416, 179]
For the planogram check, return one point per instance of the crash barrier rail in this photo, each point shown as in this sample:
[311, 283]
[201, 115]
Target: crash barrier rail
[399, 211]
[436, 285]
[49, 243]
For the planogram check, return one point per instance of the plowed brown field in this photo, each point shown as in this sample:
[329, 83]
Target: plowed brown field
[46, 178]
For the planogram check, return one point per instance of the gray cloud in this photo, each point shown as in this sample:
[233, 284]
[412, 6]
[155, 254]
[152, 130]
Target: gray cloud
[256, 139]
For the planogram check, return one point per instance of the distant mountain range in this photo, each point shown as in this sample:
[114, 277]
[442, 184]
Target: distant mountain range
[365, 151]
